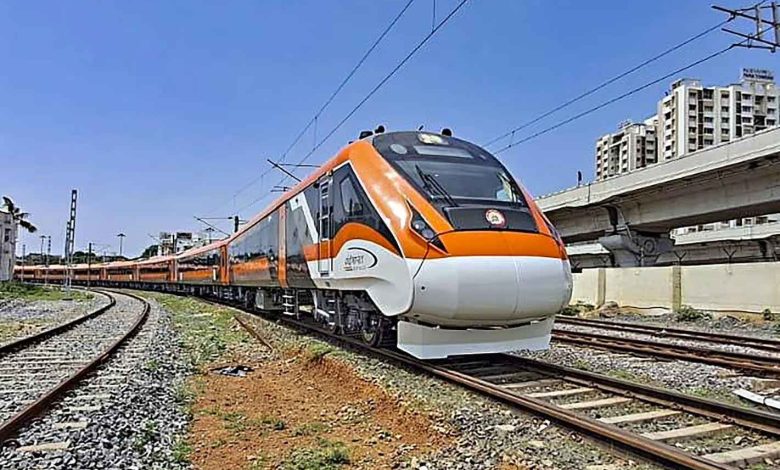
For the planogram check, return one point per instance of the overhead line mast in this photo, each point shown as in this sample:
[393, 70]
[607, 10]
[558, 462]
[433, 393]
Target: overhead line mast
[756, 15]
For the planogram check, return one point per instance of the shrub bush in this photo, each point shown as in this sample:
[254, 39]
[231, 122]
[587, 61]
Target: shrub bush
[688, 313]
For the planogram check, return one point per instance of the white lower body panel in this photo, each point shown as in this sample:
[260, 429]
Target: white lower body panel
[463, 291]
[426, 342]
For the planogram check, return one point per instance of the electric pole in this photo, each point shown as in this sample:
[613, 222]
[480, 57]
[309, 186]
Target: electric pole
[48, 254]
[89, 264]
[40, 259]
[765, 17]
[121, 238]
[70, 237]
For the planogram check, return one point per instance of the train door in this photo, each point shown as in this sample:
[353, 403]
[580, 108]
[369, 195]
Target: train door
[325, 223]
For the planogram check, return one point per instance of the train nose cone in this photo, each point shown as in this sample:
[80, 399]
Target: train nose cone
[490, 290]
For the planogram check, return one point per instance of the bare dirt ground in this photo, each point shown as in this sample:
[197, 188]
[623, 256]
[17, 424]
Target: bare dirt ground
[302, 411]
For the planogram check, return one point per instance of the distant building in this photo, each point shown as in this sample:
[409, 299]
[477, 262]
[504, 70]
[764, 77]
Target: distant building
[692, 117]
[689, 118]
[633, 146]
[736, 223]
[8, 229]
[177, 242]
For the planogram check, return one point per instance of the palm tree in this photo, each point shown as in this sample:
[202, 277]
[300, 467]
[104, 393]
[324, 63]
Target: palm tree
[19, 216]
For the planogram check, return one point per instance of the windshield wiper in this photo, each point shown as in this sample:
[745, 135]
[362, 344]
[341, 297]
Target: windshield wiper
[432, 184]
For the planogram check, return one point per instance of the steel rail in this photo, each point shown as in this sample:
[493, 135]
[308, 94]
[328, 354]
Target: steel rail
[767, 344]
[39, 406]
[634, 443]
[55, 330]
[733, 360]
[746, 417]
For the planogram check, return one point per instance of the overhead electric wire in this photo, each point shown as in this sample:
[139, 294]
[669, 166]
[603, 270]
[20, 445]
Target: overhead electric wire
[347, 78]
[384, 80]
[624, 95]
[607, 83]
[332, 96]
[368, 96]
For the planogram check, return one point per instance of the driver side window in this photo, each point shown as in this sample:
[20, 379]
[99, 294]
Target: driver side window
[351, 203]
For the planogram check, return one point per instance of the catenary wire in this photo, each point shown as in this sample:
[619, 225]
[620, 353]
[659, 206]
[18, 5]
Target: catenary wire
[607, 83]
[330, 99]
[368, 96]
[383, 81]
[624, 95]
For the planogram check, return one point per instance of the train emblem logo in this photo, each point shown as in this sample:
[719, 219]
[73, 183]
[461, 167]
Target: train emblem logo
[359, 259]
[495, 218]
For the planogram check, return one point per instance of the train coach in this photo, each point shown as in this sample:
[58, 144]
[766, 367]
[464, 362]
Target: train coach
[415, 239]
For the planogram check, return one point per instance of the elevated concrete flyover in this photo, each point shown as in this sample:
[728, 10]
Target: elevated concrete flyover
[631, 215]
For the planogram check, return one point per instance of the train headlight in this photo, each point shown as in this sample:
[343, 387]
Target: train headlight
[420, 226]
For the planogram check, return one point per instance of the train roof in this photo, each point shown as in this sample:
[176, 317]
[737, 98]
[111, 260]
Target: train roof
[201, 249]
[154, 260]
[339, 158]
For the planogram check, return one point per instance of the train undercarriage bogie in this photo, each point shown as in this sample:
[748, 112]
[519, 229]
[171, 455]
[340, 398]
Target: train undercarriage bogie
[353, 314]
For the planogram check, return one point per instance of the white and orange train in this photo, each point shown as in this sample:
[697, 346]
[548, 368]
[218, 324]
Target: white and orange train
[414, 238]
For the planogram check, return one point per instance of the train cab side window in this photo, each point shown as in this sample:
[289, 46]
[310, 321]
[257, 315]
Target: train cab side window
[350, 201]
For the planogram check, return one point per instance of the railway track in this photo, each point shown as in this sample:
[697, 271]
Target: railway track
[37, 370]
[611, 410]
[764, 344]
[761, 365]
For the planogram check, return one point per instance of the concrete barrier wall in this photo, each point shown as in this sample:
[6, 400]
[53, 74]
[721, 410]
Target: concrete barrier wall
[750, 287]
[586, 287]
[639, 287]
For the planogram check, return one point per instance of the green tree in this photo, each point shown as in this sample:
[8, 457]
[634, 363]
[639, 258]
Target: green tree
[150, 251]
[18, 216]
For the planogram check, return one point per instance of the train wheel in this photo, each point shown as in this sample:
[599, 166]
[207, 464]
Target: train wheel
[331, 324]
[373, 329]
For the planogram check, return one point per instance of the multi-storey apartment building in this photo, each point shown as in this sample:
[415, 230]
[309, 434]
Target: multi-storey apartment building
[633, 146]
[176, 242]
[689, 118]
[692, 117]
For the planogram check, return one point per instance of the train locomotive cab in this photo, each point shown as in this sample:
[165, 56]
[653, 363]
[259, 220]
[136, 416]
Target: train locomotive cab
[488, 270]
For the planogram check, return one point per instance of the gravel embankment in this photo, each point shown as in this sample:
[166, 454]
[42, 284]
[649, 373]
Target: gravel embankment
[688, 377]
[487, 434]
[20, 318]
[130, 414]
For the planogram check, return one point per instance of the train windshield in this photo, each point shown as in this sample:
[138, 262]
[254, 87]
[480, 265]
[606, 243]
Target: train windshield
[449, 171]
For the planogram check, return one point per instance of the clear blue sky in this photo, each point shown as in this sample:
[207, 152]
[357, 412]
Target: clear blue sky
[158, 111]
